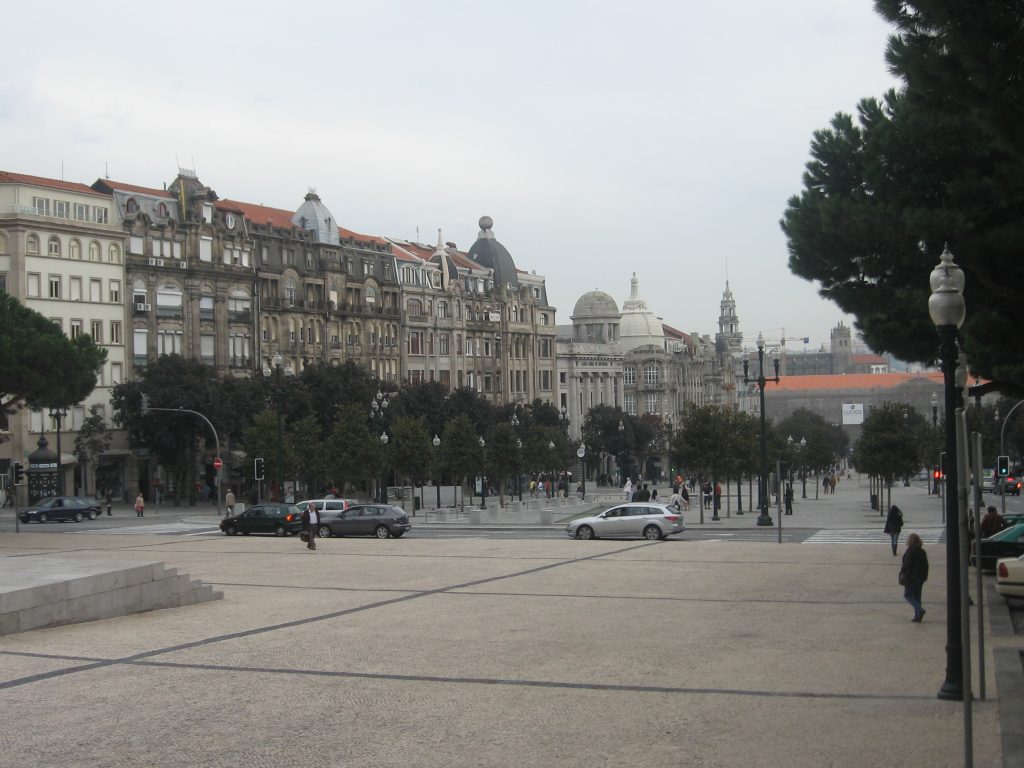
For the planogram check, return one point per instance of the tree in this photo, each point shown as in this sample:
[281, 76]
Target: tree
[460, 451]
[940, 161]
[39, 365]
[354, 453]
[888, 445]
[307, 445]
[92, 440]
[261, 440]
[410, 449]
[709, 442]
[503, 455]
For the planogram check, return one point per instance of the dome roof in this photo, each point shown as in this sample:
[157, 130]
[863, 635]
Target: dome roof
[595, 304]
[639, 326]
[314, 216]
[489, 253]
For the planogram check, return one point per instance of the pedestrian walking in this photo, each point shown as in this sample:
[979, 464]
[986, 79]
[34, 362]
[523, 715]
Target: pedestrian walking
[654, 494]
[627, 489]
[685, 495]
[310, 523]
[229, 502]
[893, 526]
[644, 494]
[675, 500]
[913, 574]
[140, 505]
[788, 496]
[110, 502]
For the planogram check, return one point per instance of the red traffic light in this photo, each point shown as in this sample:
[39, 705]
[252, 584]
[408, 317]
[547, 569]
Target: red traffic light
[936, 473]
[217, 463]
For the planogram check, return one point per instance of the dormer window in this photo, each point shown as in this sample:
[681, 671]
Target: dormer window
[132, 206]
[161, 210]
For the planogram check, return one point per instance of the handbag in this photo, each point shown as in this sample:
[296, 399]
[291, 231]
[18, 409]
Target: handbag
[304, 536]
[903, 578]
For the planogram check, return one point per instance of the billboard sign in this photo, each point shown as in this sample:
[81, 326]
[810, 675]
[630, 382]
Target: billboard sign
[853, 413]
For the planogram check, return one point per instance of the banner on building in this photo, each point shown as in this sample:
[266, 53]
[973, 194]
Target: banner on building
[853, 413]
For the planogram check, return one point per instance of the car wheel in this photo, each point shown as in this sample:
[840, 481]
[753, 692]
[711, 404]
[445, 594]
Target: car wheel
[585, 532]
[230, 530]
[78, 517]
[43, 517]
[652, 533]
[382, 532]
[323, 532]
[92, 515]
[280, 531]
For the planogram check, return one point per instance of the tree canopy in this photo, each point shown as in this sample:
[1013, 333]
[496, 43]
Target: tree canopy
[940, 161]
[39, 365]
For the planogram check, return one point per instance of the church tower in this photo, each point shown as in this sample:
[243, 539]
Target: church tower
[842, 350]
[729, 336]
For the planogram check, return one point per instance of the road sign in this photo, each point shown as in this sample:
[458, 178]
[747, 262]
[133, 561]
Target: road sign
[217, 463]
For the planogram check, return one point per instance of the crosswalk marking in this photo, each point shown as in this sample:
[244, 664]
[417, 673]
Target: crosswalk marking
[869, 536]
[159, 529]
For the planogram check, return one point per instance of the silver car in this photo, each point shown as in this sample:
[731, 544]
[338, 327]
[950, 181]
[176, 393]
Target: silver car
[636, 518]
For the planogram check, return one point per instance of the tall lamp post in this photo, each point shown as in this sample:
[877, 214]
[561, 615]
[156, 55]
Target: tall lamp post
[382, 490]
[277, 390]
[58, 414]
[436, 442]
[519, 448]
[763, 517]
[378, 413]
[622, 463]
[581, 452]
[803, 469]
[483, 478]
[947, 309]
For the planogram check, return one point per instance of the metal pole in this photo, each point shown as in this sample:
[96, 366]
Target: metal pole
[952, 686]
[976, 437]
[216, 442]
[965, 627]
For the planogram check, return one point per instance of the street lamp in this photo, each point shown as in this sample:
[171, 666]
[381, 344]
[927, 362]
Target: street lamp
[277, 390]
[668, 461]
[763, 517]
[483, 478]
[437, 483]
[947, 309]
[382, 491]
[581, 452]
[622, 463]
[378, 414]
[58, 414]
[519, 448]
[803, 468]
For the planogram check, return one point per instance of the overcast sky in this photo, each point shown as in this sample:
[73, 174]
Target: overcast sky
[603, 138]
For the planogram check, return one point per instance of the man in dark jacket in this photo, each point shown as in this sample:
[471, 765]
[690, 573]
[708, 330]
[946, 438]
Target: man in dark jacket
[310, 523]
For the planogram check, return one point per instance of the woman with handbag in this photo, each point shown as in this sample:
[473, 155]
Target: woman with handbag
[893, 526]
[914, 573]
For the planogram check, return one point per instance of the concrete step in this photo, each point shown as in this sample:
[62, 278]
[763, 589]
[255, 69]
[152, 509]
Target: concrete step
[38, 592]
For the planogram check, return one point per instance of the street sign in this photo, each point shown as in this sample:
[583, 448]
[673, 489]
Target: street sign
[217, 463]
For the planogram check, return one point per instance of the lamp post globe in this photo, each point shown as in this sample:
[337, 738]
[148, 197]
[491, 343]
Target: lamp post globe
[947, 310]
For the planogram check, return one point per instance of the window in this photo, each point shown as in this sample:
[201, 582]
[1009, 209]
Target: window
[62, 209]
[115, 331]
[206, 307]
[629, 404]
[168, 342]
[208, 213]
[114, 254]
[238, 306]
[53, 246]
[651, 402]
[415, 307]
[3, 243]
[206, 249]
[116, 373]
[96, 331]
[95, 289]
[371, 295]
[442, 309]
[76, 329]
[75, 249]
[469, 347]
[168, 300]
[137, 244]
[545, 380]
[650, 374]
[545, 348]
[81, 211]
[415, 342]
[131, 206]
[561, 377]
[265, 254]
[141, 344]
[54, 286]
[630, 374]
[442, 344]
[115, 291]
[75, 286]
[42, 205]
[206, 348]
[94, 251]
[99, 214]
[32, 285]
[161, 210]
[32, 243]
[289, 291]
[287, 257]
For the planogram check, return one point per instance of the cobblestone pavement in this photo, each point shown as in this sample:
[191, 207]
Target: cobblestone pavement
[494, 653]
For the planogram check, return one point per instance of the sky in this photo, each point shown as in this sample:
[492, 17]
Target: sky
[603, 138]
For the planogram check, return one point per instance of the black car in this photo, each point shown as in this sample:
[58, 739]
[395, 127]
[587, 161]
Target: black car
[1009, 542]
[1011, 485]
[278, 519]
[61, 508]
[380, 520]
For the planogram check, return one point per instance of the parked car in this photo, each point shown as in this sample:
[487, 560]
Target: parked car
[1010, 576]
[380, 520]
[278, 519]
[61, 508]
[1009, 542]
[648, 519]
[327, 505]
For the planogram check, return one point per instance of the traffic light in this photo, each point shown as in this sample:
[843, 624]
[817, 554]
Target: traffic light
[19, 473]
[936, 473]
[1003, 466]
[257, 469]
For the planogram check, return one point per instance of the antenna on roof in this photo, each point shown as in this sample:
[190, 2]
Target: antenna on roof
[62, 170]
[106, 169]
[417, 234]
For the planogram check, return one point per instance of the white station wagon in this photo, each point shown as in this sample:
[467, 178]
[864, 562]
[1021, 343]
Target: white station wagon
[636, 518]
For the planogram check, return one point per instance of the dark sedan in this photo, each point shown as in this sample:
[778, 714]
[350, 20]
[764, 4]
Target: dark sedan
[61, 508]
[380, 520]
[1009, 542]
[278, 519]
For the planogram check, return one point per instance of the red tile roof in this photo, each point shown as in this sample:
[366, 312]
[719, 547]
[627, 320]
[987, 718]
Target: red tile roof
[857, 381]
[278, 217]
[7, 177]
[675, 333]
[120, 186]
[870, 360]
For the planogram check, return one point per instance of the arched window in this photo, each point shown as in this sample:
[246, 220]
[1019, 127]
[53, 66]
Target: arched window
[371, 295]
[94, 251]
[115, 254]
[75, 249]
[415, 307]
[53, 246]
[132, 206]
[289, 291]
[32, 243]
[161, 210]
